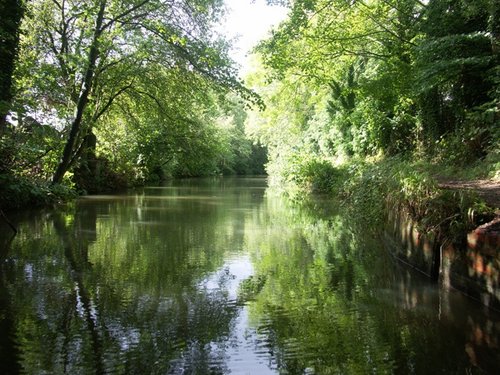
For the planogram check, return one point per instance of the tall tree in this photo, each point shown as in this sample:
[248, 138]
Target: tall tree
[12, 13]
[362, 52]
[91, 54]
[453, 62]
[430, 71]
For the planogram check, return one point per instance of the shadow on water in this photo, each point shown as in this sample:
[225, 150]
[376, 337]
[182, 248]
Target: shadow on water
[216, 277]
[8, 343]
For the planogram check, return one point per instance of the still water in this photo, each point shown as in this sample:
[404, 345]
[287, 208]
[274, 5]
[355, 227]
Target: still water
[218, 276]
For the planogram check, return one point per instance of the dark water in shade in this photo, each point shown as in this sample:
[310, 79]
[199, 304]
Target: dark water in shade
[217, 277]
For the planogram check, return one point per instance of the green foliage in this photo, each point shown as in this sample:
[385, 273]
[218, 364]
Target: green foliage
[149, 70]
[318, 176]
[395, 77]
[183, 131]
[370, 189]
[150, 80]
[37, 148]
[343, 83]
[19, 192]
[372, 101]
[12, 13]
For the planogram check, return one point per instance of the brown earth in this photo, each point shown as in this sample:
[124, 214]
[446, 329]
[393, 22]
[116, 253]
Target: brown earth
[488, 190]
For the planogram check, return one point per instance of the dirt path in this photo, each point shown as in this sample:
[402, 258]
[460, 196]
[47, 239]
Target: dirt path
[489, 190]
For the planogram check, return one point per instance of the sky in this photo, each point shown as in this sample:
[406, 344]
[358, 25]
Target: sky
[250, 22]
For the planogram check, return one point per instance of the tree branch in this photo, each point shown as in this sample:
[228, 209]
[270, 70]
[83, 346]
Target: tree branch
[110, 102]
[383, 27]
[123, 14]
[151, 96]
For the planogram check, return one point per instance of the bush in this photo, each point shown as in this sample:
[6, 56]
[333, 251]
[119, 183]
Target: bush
[19, 192]
[372, 189]
[321, 176]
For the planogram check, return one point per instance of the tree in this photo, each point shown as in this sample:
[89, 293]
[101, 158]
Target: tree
[95, 52]
[12, 13]
[456, 68]
[403, 76]
[356, 58]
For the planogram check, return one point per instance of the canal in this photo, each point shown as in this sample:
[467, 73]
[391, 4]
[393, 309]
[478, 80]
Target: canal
[219, 276]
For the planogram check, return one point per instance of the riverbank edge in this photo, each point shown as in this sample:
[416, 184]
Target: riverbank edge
[471, 266]
[18, 193]
[455, 243]
[450, 235]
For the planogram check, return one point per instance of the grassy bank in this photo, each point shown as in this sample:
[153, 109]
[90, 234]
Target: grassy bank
[369, 188]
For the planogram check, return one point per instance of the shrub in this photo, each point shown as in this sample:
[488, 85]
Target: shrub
[18, 192]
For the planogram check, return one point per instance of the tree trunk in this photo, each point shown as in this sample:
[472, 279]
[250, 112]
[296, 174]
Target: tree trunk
[76, 125]
[494, 26]
[12, 13]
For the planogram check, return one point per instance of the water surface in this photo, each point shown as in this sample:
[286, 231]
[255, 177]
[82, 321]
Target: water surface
[216, 276]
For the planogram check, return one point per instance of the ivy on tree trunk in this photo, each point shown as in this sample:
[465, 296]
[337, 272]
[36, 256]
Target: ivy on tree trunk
[12, 13]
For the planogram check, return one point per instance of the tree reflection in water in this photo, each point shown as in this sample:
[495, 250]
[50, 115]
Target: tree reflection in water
[352, 308]
[214, 276]
[9, 364]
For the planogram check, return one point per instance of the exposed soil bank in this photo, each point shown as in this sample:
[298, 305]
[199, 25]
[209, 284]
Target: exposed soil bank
[488, 190]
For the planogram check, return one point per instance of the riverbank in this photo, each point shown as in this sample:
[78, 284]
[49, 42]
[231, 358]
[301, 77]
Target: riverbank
[437, 195]
[17, 192]
[441, 220]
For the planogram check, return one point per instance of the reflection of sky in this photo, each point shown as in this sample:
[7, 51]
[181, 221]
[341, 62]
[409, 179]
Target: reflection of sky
[230, 276]
[244, 356]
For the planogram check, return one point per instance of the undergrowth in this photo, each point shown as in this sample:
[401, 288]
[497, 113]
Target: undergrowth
[370, 188]
[20, 192]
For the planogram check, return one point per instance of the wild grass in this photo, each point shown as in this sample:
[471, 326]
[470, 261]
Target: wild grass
[370, 188]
